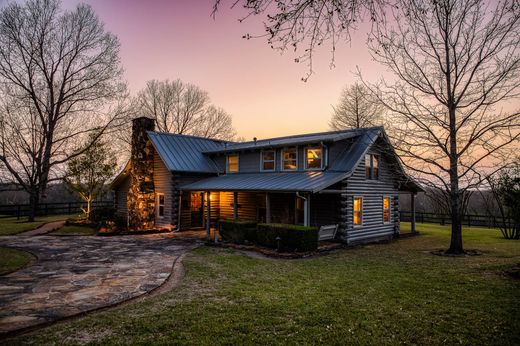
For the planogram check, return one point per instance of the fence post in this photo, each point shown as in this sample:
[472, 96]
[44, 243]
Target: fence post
[70, 208]
[18, 211]
[469, 220]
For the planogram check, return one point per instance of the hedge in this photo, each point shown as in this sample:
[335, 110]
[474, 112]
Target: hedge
[238, 231]
[293, 238]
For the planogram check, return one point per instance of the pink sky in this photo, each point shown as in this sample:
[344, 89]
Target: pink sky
[260, 88]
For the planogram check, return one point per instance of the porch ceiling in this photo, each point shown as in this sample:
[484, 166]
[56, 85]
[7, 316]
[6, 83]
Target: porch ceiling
[284, 181]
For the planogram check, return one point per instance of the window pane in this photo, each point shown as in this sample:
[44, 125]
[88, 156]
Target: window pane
[233, 163]
[375, 165]
[368, 167]
[268, 155]
[386, 209]
[268, 160]
[358, 205]
[313, 157]
[268, 166]
[289, 159]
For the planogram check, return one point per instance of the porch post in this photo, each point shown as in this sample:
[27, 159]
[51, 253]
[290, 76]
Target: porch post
[235, 205]
[306, 209]
[412, 207]
[208, 215]
[267, 208]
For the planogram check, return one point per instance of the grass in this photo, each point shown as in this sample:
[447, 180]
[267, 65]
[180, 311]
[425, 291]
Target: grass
[386, 294]
[75, 230]
[10, 225]
[12, 259]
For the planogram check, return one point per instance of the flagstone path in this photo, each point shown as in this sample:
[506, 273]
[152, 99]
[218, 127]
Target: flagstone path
[77, 274]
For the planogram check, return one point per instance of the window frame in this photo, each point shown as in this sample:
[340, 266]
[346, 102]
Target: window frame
[360, 211]
[305, 161]
[238, 163]
[282, 159]
[159, 205]
[389, 209]
[262, 169]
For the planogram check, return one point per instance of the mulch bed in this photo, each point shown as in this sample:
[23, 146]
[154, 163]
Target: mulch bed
[467, 253]
[323, 248]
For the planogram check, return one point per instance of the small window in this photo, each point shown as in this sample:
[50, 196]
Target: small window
[313, 157]
[160, 204]
[371, 166]
[386, 209]
[358, 211]
[290, 161]
[232, 163]
[268, 158]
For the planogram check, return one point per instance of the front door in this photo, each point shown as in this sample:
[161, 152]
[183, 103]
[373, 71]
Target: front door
[197, 209]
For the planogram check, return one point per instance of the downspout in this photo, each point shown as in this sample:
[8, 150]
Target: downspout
[326, 156]
[306, 218]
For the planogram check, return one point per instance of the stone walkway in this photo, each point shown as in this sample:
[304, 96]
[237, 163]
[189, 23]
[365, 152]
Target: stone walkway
[44, 229]
[78, 274]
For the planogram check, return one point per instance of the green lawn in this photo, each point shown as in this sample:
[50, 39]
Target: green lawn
[75, 230]
[11, 225]
[397, 293]
[12, 259]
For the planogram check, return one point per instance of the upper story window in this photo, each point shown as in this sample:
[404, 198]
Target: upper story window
[313, 158]
[386, 209]
[268, 159]
[371, 166]
[358, 211]
[289, 159]
[232, 163]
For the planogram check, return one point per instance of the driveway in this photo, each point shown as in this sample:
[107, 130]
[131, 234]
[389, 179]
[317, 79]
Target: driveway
[74, 274]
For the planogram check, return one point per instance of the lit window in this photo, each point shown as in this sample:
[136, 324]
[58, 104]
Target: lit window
[313, 158]
[160, 204]
[268, 160]
[358, 211]
[232, 163]
[386, 209]
[371, 166]
[290, 159]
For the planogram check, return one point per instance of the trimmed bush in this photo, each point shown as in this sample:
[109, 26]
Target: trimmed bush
[102, 214]
[293, 238]
[238, 231]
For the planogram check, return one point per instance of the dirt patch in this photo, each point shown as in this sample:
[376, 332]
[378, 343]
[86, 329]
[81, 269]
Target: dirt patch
[466, 253]
[513, 273]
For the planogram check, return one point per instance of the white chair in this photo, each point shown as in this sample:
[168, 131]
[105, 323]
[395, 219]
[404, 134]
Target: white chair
[327, 232]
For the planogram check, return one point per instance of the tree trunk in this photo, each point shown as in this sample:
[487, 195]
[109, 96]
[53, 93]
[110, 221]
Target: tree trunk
[89, 207]
[33, 204]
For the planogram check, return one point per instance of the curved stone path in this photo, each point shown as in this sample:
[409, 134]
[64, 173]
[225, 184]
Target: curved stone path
[82, 273]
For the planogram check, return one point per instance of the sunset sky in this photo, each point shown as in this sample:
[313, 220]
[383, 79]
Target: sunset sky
[260, 88]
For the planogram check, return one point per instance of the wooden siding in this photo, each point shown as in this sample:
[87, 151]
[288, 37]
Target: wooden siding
[121, 198]
[162, 179]
[372, 192]
[248, 205]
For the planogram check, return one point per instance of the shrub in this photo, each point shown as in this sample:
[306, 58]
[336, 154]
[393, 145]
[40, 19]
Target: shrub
[238, 231]
[102, 214]
[293, 238]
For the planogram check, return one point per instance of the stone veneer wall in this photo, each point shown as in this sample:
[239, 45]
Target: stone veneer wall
[141, 194]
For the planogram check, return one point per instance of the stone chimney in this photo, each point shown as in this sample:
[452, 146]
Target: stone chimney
[141, 196]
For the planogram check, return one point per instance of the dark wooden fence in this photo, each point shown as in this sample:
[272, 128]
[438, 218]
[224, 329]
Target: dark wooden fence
[468, 220]
[20, 210]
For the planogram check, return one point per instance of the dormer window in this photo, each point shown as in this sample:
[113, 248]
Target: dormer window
[313, 158]
[268, 159]
[289, 159]
[371, 166]
[232, 163]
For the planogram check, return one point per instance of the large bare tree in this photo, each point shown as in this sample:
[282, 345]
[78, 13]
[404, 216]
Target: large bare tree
[183, 108]
[60, 80]
[454, 69]
[357, 108]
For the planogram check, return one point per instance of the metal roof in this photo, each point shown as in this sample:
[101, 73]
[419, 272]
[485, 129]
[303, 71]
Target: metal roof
[308, 138]
[285, 181]
[181, 153]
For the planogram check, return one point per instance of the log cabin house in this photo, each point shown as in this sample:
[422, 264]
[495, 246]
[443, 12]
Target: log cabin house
[348, 178]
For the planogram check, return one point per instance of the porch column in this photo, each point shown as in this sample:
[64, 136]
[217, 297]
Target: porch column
[208, 215]
[235, 205]
[267, 208]
[412, 207]
[306, 211]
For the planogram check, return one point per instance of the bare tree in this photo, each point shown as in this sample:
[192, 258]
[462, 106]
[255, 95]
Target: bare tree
[357, 108]
[455, 63]
[60, 79]
[183, 108]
